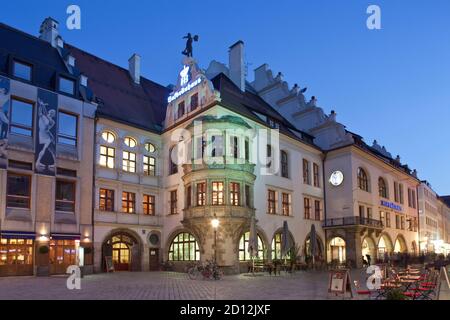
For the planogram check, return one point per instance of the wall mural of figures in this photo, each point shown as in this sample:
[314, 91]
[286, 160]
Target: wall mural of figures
[5, 94]
[45, 145]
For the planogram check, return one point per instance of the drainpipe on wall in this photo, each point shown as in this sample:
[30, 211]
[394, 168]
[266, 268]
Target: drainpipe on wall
[418, 220]
[93, 193]
[324, 204]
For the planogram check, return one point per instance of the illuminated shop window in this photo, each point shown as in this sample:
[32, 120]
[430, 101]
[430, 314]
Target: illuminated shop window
[244, 254]
[184, 248]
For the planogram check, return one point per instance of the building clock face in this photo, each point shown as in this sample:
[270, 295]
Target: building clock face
[337, 178]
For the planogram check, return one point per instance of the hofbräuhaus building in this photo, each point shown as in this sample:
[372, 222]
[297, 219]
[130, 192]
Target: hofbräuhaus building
[134, 173]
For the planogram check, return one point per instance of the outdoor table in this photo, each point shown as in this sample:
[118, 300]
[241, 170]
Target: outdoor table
[408, 281]
[385, 287]
[410, 278]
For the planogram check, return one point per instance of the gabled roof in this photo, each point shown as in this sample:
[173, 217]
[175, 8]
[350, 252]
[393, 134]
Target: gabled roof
[359, 141]
[446, 200]
[249, 104]
[45, 59]
[120, 99]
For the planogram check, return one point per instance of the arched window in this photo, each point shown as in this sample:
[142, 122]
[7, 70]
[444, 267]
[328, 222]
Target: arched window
[173, 167]
[244, 255]
[130, 142]
[149, 147]
[108, 136]
[382, 188]
[363, 180]
[184, 248]
[277, 245]
[284, 164]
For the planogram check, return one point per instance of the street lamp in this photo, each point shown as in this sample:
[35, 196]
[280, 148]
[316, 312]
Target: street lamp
[215, 224]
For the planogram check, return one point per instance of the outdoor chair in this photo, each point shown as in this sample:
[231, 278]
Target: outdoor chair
[361, 292]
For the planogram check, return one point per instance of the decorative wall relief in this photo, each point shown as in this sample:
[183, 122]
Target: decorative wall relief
[45, 143]
[5, 95]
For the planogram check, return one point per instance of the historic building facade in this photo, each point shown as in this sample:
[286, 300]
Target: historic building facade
[445, 211]
[47, 127]
[433, 233]
[371, 198]
[152, 206]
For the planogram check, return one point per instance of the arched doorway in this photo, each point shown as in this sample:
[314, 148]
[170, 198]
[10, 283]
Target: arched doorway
[337, 250]
[124, 249]
[400, 245]
[369, 248]
[385, 247]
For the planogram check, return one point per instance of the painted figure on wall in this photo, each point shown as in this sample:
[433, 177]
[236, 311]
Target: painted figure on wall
[4, 120]
[46, 123]
[46, 128]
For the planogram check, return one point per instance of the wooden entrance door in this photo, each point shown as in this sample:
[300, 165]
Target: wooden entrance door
[154, 260]
[121, 257]
[62, 255]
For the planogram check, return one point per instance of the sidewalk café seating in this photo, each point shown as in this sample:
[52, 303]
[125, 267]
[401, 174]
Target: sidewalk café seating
[427, 288]
[256, 266]
[413, 284]
[362, 292]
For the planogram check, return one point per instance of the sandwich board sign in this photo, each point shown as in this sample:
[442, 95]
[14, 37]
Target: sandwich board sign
[340, 283]
[109, 264]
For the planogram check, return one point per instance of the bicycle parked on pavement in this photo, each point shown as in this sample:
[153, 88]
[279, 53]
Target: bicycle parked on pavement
[209, 271]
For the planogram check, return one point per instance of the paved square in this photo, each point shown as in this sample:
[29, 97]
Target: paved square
[172, 286]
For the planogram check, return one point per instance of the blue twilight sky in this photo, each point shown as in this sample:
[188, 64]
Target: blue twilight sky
[392, 85]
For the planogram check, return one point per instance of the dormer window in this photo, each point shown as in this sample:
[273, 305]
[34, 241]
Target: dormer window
[273, 124]
[67, 85]
[22, 70]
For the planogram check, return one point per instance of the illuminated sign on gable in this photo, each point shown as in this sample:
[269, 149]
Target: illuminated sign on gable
[184, 75]
[183, 90]
[391, 205]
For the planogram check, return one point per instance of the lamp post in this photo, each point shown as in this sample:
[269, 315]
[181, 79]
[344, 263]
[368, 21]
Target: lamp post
[215, 224]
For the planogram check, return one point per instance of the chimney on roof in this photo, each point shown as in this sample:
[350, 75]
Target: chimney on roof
[236, 64]
[134, 68]
[49, 31]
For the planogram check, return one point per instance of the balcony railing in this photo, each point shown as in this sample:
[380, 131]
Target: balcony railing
[352, 221]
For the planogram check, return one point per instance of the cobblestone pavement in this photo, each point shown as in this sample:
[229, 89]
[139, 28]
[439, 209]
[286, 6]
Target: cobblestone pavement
[171, 286]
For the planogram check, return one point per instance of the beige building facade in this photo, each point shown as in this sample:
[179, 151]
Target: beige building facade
[46, 174]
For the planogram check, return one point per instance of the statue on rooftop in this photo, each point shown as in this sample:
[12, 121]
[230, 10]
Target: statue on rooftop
[188, 52]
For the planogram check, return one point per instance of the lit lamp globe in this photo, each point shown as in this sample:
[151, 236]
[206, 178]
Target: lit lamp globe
[215, 223]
